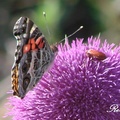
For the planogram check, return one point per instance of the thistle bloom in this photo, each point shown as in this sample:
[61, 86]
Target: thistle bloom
[76, 87]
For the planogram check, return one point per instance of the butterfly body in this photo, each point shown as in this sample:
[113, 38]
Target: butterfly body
[33, 56]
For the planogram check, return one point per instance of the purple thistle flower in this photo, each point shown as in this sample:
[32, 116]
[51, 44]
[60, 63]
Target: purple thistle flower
[76, 87]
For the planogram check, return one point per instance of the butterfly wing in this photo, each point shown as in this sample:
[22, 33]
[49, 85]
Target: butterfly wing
[33, 56]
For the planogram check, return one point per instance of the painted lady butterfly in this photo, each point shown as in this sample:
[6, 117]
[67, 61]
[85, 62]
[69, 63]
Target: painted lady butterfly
[33, 56]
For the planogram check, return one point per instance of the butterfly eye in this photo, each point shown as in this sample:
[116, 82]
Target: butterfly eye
[26, 82]
[54, 48]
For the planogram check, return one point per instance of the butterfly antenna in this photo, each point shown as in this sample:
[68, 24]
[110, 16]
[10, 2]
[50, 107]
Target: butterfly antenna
[44, 14]
[46, 23]
[71, 34]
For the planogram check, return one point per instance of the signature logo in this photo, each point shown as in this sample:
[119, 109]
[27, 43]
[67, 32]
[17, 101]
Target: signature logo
[114, 108]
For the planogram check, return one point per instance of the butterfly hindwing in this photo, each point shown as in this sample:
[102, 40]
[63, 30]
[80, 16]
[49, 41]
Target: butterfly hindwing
[33, 55]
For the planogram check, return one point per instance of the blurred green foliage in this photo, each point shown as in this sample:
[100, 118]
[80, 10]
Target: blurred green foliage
[62, 17]
[65, 16]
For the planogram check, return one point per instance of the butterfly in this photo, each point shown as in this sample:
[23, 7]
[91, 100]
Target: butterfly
[33, 56]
